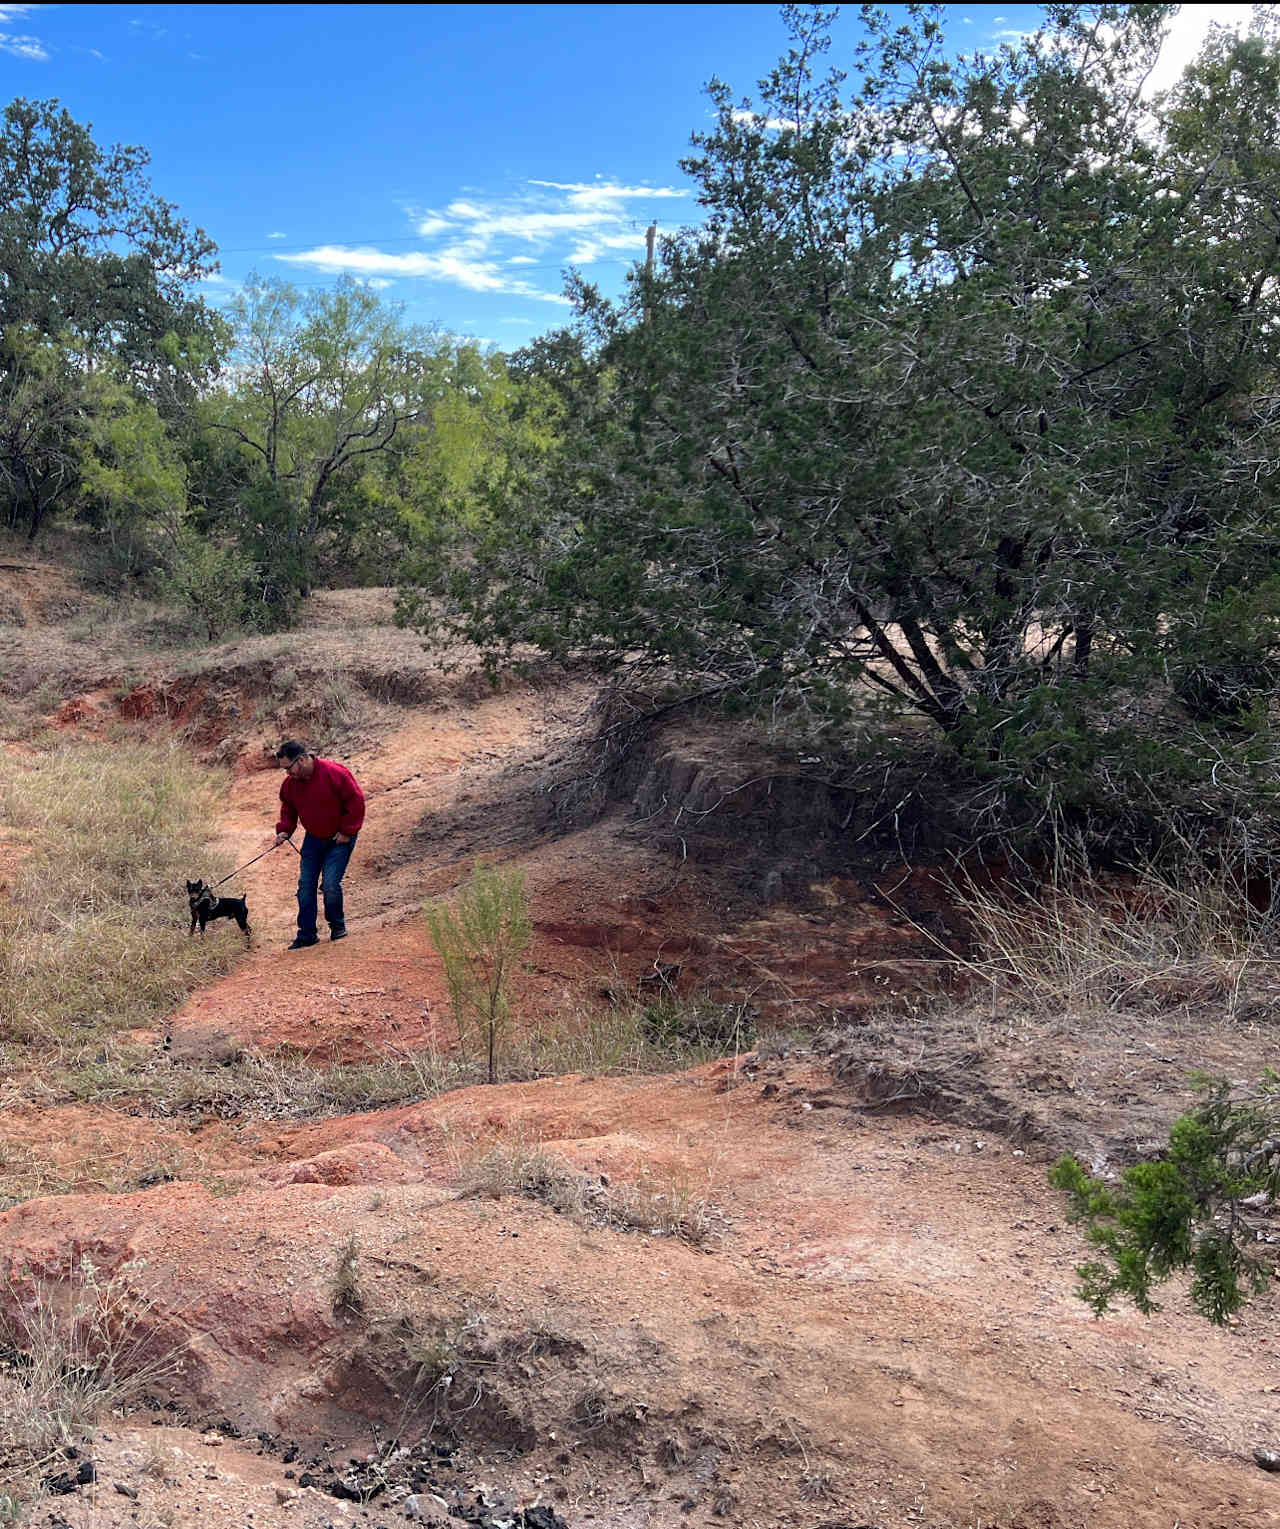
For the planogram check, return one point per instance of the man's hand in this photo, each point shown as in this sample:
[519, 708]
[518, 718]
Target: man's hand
[280, 839]
[342, 838]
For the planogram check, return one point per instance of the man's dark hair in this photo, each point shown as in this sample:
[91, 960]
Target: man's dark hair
[291, 749]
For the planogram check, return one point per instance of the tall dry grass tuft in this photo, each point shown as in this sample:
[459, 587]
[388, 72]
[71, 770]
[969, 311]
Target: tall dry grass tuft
[632, 1037]
[76, 1351]
[93, 937]
[1153, 939]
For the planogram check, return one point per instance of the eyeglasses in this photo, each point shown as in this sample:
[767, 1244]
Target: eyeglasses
[287, 764]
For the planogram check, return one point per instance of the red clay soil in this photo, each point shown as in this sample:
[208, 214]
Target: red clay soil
[877, 1326]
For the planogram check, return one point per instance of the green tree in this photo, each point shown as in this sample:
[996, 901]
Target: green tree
[91, 255]
[493, 426]
[43, 428]
[133, 481]
[215, 582]
[961, 397]
[479, 941]
[1186, 1210]
[325, 388]
[94, 277]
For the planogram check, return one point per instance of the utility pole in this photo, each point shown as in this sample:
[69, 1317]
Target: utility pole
[651, 234]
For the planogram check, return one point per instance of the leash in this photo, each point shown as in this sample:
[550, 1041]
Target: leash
[256, 858]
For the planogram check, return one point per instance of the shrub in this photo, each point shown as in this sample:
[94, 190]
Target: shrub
[345, 1292]
[219, 586]
[479, 941]
[1184, 1211]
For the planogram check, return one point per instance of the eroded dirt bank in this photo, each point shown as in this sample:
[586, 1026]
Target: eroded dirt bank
[868, 1319]
[879, 1322]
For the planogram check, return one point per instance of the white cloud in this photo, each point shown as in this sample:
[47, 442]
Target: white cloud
[479, 242]
[587, 250]
[592, 214]
[450, 266]
[277, 236]
[14, 12]
[773, 124]
[605, 196]
[1185, 34]
[23, 47]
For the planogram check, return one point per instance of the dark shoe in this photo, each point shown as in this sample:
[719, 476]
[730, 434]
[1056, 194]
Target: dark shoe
[301, 944]
[338, 934]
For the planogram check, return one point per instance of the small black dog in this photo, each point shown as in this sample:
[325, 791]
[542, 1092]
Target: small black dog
[206, 905]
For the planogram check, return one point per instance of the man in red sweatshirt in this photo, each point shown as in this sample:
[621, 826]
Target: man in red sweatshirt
[325, 797]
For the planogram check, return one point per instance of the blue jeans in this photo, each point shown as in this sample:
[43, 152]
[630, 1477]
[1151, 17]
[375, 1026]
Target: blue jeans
[323, 863]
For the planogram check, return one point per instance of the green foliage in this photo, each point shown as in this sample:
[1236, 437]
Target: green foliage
[216, 583]
[133, 482]
[89, 252]
[326, 388]
[1184, 1211]
[97, 331]
[43, 427]
[479, 941]
[960, 402]
[717, 1028]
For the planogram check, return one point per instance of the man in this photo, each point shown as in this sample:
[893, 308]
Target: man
[325, 797]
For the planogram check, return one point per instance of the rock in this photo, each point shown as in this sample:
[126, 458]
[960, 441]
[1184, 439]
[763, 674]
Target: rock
[127, 1491]
[426, 1508]
[60, 1485]
[1268, 1459]
[540, 1517]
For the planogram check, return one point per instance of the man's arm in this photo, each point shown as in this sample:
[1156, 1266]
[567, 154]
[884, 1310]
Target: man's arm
[351, 800]
[288, 816]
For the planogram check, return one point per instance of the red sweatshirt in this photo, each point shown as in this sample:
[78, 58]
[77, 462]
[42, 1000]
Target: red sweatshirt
[329, 803]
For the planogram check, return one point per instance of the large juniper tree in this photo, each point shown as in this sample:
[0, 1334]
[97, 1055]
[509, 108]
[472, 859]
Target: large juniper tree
[963, 395]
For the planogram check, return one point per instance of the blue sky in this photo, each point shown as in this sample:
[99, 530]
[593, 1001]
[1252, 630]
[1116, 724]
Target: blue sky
[458, 157]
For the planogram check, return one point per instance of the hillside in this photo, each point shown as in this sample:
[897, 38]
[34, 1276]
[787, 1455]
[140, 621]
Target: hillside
[819, 1280]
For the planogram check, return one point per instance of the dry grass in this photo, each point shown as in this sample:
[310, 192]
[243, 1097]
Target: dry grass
[94, 936]
[75, 1351]
[1147, 941]
[631, 1038]
[345, 1293]
[656, 1205]
[106, 1164]
[286, 1085]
